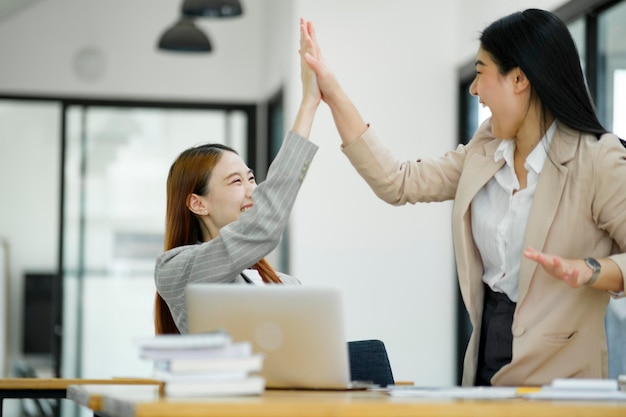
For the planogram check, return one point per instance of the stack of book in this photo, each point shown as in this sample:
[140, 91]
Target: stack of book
[208, 364]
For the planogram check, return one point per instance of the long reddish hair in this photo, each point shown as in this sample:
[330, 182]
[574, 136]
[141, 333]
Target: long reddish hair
[190, 173]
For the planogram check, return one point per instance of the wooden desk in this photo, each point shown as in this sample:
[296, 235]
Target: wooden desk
[92, 396]
[56, 388]
[146, 402]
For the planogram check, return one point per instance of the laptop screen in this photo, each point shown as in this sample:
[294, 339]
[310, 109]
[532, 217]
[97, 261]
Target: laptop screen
[299, 330]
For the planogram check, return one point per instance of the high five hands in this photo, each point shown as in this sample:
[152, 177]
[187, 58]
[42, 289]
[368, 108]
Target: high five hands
[310, 89]
[312, 55]
[348, 120]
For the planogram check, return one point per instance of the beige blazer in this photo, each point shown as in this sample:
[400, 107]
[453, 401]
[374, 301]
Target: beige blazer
[579, 210]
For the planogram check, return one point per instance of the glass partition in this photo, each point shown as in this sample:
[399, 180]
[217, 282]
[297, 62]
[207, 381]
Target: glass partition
[612, 68]
[116, 165]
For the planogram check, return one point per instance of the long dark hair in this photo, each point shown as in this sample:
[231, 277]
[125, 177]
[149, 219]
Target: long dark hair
[540, 44]
[190, 173]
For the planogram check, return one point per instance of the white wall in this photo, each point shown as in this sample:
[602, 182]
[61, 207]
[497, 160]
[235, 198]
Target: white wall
[398, 60]
[477, 14]
[29, 200]
[4, 304]
[395, 265]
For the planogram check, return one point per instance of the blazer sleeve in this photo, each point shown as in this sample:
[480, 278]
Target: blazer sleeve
[609, 202]
[421, 180]
[241, 243]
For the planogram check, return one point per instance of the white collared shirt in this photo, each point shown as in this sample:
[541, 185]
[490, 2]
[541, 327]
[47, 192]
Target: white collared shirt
[500, 216]
[253, 275]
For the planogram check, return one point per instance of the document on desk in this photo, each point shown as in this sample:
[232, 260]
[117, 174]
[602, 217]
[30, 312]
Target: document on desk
[579, 389]
[571, 389]
[482, 393]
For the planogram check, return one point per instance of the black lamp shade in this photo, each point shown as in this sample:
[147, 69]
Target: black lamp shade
[212, 8]
[185, 36]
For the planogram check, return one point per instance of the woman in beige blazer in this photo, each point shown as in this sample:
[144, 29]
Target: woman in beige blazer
[539, 217]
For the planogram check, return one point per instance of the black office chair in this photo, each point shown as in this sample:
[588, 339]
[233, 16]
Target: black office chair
[369, 362]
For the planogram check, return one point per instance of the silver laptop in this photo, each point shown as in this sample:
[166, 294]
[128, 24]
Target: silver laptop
[299, 330]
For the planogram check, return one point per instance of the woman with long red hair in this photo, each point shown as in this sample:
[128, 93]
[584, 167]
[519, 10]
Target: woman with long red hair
[219, 224]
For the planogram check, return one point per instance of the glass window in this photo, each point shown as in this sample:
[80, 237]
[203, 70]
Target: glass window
[612, 69]
[116, 165]
[577, 29]
[619, 102]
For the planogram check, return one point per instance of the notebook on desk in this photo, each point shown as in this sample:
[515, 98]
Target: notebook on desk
[299, 330]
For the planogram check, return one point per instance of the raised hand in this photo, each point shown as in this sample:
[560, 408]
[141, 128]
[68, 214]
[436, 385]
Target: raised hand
[312, 55]
[311, 94]
[348, 121]
[310, 89]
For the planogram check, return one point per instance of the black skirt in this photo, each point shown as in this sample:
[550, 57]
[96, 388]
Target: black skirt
[496, 338]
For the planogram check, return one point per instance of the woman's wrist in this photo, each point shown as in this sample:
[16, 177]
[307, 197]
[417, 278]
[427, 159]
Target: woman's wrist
[309, 103]
[593, 266]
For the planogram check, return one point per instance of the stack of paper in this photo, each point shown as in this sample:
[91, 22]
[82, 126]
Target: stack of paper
[207, 364]
[580, 389]
[572, 389]
[482, 393]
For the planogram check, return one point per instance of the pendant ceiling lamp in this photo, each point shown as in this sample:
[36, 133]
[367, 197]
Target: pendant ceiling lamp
[185, 36]
[212, 8]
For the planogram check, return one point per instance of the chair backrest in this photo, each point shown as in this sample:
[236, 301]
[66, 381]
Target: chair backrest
[369, 362]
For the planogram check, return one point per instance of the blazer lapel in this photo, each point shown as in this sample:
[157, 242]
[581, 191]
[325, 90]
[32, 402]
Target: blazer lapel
[546, 201]
[477, 171]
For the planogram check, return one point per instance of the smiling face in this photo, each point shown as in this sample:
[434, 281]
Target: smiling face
[507, 96]
[230, 193]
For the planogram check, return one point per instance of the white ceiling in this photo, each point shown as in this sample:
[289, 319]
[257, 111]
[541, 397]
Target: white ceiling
[8, 7]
